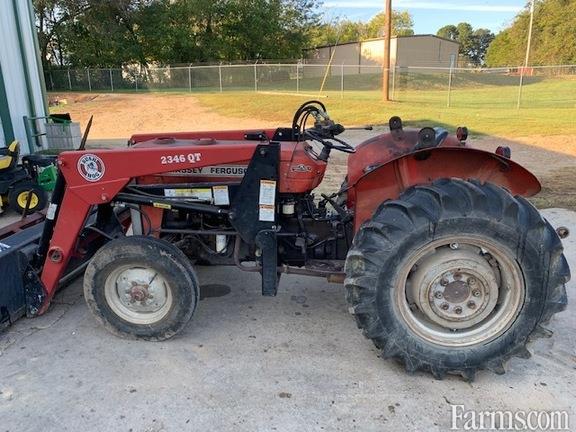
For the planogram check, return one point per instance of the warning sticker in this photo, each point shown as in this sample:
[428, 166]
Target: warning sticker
[267, 192]
[266, 213]
[267, 200]
[197, 194]
[221, 196]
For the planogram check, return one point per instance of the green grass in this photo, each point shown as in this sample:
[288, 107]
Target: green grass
[548, 107]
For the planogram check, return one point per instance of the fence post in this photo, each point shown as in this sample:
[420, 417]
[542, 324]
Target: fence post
[51, 80]
[89, 83]
[394, 82]
[136, 80]
[69, 81]
[342, 81]
[519, 103]
[111, 80]
[220, 75]
[298, 77]
[255, 78]
[190, 78]
[450, 73]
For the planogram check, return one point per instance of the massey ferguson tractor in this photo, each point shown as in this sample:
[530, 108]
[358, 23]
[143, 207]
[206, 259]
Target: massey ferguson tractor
[447, 267]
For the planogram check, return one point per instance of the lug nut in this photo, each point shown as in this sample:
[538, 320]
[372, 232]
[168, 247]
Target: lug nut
[457, 310]
[457, 276]
[476, 293]
[444, 306]
[471, 281]
[454, 246]
[471, 305]
[443, 281]
[438, 294]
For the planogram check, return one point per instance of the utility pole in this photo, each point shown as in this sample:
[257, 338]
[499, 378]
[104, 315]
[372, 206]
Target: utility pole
[529, 44]
[386, 60]
[527, 58]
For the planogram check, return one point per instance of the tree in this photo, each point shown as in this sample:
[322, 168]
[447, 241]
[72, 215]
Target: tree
[105, 33]
[553, 40]
[51, 18]
[354, 31]
[402, 25]
[482, 40]
[448, 32]
[473, 43]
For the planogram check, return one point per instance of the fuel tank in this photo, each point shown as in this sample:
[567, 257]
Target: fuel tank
[300, 171]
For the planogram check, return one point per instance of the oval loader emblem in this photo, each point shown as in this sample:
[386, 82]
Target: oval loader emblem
[91, 167]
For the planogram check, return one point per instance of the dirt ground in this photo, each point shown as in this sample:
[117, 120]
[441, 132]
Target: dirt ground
[118, 116]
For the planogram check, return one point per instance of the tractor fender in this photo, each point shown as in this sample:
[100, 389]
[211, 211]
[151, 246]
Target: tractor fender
[389, 180]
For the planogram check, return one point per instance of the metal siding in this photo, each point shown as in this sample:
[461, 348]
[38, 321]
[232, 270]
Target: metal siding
[11, 60]
[411, 51]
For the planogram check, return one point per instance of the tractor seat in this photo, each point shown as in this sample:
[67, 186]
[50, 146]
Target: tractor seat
[9, 157]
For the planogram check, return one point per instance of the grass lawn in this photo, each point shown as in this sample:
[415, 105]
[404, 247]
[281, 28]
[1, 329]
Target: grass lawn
[549, 107]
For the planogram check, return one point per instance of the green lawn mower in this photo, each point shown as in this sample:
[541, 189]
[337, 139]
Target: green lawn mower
[24, 187]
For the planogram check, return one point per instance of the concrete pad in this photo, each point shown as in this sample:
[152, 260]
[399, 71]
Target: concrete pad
[295, 362]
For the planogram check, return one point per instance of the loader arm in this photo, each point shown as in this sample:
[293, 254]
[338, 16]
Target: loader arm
[96, 177]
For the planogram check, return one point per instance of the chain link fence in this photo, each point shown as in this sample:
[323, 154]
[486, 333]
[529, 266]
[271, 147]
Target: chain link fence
[542, 86]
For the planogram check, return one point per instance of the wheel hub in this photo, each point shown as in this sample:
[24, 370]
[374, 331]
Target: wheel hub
[456, 292]
[138, 294]
[454, 288]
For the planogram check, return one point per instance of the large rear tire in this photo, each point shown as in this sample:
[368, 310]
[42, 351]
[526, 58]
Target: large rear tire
[455, 277]
[141, 288]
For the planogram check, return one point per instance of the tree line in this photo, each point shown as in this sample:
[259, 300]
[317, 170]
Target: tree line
[106, 33]
[553, 37]
[110, 33]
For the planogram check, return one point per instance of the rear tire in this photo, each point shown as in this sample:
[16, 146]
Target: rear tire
[508, 277]
[141, 288]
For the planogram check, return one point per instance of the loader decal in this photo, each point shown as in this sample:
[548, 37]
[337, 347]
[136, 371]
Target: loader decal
[91, 167]
[211, 171]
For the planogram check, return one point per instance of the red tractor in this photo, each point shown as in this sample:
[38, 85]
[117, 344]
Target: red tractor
[446, 266]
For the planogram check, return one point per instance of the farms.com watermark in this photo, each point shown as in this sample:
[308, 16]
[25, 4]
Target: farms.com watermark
[501, 420]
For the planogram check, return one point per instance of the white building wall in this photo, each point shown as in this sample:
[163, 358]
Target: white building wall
[412, 51]
[12, 60]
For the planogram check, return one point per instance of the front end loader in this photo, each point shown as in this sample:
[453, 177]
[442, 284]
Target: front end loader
[446, 266]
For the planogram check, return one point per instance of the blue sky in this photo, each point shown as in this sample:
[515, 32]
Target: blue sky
[430, 15]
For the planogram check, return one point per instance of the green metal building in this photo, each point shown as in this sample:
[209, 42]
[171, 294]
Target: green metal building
[22, 89]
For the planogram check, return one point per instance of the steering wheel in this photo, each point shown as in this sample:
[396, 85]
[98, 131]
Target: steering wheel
[324, 130]
[331, 142]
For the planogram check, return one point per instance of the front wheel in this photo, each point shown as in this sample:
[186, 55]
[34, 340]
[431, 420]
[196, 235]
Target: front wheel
[455, 277]
[141, 287]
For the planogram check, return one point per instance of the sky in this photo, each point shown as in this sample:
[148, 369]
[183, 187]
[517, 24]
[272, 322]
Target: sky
[430, 15]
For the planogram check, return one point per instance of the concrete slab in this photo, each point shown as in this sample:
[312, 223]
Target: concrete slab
[248, 363]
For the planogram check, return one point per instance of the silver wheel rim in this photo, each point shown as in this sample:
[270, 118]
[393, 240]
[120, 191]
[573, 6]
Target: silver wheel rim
[138, 294]
[460, 291]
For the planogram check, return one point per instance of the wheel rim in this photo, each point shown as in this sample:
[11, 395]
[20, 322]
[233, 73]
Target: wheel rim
[137, 294]
[23, 199]
[460, 291]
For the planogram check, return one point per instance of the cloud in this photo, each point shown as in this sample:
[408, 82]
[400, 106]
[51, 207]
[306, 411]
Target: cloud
[409, 4]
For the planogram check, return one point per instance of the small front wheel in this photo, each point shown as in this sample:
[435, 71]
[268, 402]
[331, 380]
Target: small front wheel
[27, 197]
[141, 287]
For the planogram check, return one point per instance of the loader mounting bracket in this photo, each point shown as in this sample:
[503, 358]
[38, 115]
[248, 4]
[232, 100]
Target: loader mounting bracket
[245, 211]
[266, 242]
